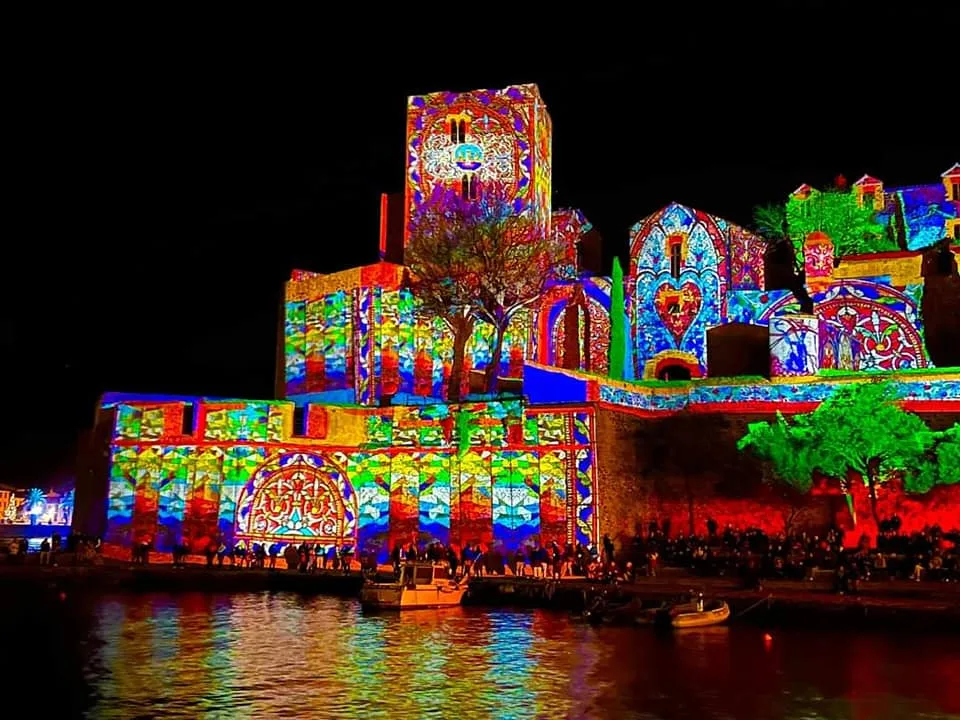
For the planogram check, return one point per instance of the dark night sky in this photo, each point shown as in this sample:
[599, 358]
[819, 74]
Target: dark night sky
[169, 183]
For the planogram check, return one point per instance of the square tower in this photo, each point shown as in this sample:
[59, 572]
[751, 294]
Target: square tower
[463, 140]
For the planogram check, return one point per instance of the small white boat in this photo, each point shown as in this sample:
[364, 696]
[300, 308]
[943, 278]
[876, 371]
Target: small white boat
[420, 586]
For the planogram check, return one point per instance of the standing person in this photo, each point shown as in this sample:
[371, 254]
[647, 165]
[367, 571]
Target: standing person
[45, 552]
[608, 549]
[479, 560]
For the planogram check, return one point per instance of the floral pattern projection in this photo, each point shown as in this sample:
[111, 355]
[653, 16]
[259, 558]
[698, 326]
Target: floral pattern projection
[521, 476]
[463, 140]
[867, 326]
[863, 324]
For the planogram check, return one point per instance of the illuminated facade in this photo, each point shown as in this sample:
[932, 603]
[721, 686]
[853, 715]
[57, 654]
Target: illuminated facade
[369, 478]
[684, 265]
[364, 450]
[691, 272]
[463, 140]
[355, 337]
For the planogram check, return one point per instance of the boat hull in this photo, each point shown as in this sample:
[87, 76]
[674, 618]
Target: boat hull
[396, 597]
[706, 618]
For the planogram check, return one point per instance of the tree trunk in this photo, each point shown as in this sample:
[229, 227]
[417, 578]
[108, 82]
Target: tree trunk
[851, 508]
[461, 331]
[493, 369]
[872, 487]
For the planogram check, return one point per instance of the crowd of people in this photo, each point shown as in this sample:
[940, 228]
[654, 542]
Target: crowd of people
[754, 555]
[750, 554]
[78, 548]
[533, 560]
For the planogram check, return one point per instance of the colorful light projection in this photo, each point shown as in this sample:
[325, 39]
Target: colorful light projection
[36, 507]
[589, 300]
[818, 261]
[747, 257]
[683, 264]
[462, 140]
[524, 475]
[864, 324]
[923, 392]
[297, 494]
[678, 283]
[358, 343]
[794, 346]
[868, 326]
[568, 226]
[919, 216]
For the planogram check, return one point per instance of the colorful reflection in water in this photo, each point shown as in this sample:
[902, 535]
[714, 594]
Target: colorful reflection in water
[278, 655]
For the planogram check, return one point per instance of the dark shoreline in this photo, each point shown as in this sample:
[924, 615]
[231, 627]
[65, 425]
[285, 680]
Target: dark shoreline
[893, 606]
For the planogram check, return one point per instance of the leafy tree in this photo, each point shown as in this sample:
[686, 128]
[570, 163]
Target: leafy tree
[770, 222]
[859, 431]
[941, 465]
[617, 323]
[852, 228]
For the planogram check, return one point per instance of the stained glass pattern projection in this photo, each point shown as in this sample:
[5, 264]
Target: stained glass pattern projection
[794, 346]
[523, 480]
[298, 497]
[463, 140]
[870, 327]
[678, 283]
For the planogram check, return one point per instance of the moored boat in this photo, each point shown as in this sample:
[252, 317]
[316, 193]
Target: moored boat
[421, 585]
[702, 614]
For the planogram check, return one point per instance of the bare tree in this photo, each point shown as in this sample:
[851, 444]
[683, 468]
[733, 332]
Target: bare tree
[515, 260]
[477, 259]
[443, 276]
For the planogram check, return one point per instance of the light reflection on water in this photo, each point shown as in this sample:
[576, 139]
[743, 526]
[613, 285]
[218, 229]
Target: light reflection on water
[279, 655]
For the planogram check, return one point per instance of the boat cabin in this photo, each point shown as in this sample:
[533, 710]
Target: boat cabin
[423, 574]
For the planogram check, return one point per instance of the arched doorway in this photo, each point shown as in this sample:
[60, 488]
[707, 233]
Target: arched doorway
[673, 372]
[672, 365]
[298, 497]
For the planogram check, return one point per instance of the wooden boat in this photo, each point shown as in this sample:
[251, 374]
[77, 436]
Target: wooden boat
[690, 615]
[610, 607]
[420, 585]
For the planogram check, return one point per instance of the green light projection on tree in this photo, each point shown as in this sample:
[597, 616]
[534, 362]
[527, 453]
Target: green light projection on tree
[859, 431]
[853, 229]
[617, 323]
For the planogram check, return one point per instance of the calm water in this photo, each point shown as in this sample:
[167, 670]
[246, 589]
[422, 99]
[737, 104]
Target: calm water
[284, 656]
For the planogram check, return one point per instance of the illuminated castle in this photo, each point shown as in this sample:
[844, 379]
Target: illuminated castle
[353, 336]
[363, 450]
